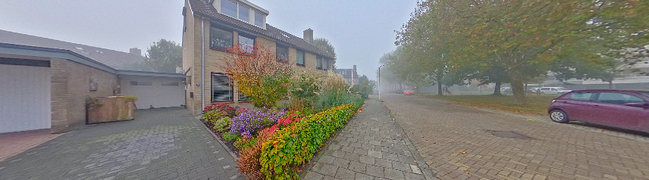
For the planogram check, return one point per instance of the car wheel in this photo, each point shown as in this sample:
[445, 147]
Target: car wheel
[558, 116]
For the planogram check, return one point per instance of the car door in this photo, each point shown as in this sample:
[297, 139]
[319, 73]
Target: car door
[610, 110]
[577, 105]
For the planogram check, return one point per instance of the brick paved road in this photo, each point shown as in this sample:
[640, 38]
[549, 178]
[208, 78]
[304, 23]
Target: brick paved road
[442, 131]
[158, 144]
[370, 146]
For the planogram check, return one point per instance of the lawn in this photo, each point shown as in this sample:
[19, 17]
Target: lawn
[536, 104]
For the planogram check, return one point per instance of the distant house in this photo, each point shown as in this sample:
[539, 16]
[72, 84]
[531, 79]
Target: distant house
[44, 83]
[213, 26]
[350, 75]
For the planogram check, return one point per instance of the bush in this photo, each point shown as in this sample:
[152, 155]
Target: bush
[243, 142]
[210, 117]
[304, 91]
[331, 99]
[249, 122]
[229, 136]
[222, 108]
[223, 124]
[283, 153]
[289, 119]
[248, 161]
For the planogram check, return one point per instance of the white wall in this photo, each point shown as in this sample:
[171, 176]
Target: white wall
[155, 95]
[25, 102]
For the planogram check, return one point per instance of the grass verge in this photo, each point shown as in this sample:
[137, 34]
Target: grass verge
[537, 105]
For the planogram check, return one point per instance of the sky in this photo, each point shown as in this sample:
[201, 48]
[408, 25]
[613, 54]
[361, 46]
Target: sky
[360, 30]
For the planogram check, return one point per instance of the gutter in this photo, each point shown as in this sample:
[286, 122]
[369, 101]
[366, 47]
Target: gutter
[202, 64]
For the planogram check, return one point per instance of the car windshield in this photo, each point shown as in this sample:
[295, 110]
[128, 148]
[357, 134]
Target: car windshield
[391, 89]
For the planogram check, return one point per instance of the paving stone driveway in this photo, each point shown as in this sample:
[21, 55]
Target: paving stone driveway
[370, 146]
[158, 144]
[442, 131]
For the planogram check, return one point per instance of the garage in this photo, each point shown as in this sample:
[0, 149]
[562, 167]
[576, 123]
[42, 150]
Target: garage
[25, 95]
[153, 90]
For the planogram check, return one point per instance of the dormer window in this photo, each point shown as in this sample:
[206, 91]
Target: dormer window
[229, 7]
[259, 19]
[243, 11]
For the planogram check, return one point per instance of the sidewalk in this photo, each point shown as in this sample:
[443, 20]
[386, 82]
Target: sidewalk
[371, 146]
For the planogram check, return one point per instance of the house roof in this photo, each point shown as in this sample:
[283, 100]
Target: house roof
[112, 58]
[203, 8]
[45, 52]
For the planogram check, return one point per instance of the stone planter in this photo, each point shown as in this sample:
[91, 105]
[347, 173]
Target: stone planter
[109, 109]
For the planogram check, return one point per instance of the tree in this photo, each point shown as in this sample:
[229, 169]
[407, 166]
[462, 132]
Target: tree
[523, 36]
[258, 75]
[323, 44]
[164, 56]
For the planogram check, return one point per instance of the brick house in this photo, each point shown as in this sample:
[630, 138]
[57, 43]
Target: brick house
[350, 75]
[44, 83]
[210, 27]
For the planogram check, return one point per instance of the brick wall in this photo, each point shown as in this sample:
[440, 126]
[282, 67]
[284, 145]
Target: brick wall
[70, 84]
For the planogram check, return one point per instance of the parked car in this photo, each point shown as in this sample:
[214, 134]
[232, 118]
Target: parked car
[408, 92]
[624, 109]
[553, 90]
[506, 90]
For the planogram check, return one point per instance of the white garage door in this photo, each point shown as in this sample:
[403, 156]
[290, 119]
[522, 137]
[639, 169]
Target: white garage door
[24, 98]
[154, 92]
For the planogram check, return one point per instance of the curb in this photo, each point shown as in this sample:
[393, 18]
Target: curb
[217, 139]
[428, 172]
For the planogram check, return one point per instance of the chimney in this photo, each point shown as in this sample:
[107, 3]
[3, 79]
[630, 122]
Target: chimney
[135, 51]
[308, 35]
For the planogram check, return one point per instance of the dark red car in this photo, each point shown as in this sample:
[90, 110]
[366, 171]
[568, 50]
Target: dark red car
[624, 109]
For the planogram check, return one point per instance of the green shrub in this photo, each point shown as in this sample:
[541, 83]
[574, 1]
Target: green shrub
[304, 92]
[210, 117]
[244, 142]
[223, 124]
[331, 99]
[289, 148]
[229, 136]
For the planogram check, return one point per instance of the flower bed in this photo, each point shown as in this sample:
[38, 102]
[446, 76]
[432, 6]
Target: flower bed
[287, 150]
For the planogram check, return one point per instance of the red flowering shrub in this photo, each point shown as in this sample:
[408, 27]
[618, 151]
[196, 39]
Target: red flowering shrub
[248, 161]
[289, 119]
[221, 108]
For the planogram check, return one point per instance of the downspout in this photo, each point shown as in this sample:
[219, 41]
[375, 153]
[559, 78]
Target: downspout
[202, 65]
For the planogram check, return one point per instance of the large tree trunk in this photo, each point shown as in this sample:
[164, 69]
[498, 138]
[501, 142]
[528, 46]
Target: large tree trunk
[497, 89]
[439, 89]
[517, 86]
[610, 84]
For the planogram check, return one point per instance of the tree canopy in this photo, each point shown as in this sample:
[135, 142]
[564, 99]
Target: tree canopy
[164, 56]
[517, 40]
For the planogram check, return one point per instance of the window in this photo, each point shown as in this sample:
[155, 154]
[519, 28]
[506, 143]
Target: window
[281, 53]
[318, 63]
[244, 13]
[585, 96]
[247, 44]
[220, 39]
[325, 64]
[229, 7]
[170, 83]
[617, 98]
[221, 88]
[141, 83]
[259, 19]
[300, 58]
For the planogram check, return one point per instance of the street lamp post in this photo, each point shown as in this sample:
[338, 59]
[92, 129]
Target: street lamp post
[380, 82]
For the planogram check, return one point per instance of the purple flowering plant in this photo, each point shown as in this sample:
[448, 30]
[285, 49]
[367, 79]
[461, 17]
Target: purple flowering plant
[249, 122]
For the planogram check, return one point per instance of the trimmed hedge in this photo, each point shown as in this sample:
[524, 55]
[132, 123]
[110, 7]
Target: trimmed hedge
[288, 149]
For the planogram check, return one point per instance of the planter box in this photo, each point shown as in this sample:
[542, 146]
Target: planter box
[112, 108]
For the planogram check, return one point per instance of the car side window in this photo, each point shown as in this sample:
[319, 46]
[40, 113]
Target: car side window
[581, 96]
[618, 98]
